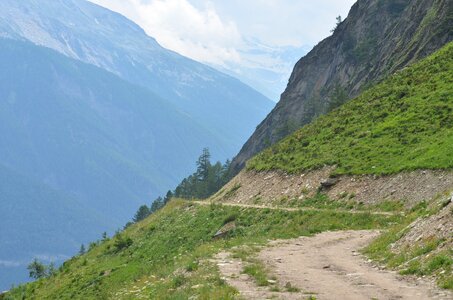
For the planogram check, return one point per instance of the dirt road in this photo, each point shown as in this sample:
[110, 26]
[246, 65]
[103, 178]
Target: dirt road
[326, 266]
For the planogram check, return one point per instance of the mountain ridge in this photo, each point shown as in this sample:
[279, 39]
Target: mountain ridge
[110, 41]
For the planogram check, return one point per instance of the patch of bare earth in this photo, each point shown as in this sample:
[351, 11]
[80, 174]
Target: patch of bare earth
[327, 266]
[232, 272]
[250, 187]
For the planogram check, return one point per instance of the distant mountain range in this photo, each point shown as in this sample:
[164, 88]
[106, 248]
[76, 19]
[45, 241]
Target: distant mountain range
[265, 67]
[96, 119]
[84, 31]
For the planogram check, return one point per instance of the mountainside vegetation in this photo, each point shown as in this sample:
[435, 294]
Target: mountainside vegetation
[403, 123]
[85, 139]
[425, 253]
[206, 181]
[378, 38]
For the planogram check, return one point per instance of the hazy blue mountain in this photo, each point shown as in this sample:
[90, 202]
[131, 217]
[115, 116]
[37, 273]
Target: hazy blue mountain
[95, 35]
[95, 119]
[50, 226]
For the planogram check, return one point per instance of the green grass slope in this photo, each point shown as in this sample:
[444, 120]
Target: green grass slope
[403, 123]
[169, 254]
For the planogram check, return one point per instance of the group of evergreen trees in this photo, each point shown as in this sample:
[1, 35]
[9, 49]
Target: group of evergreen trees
[38, 270]
[206, 181]
[144, 211]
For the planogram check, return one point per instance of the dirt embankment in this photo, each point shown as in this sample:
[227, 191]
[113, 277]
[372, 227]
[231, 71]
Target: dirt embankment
[274, 187]
[436, 227]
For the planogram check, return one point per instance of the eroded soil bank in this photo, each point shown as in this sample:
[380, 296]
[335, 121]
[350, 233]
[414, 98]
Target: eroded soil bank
[250, 187]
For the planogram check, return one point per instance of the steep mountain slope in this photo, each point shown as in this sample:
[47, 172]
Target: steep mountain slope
[392, 143]
[84, 31]
[403, 123]
[81, 129]
[88, 135]
[378, 38]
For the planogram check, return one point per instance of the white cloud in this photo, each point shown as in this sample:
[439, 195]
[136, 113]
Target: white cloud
[213, 31]
[178, 25]
[283, 22]
[10, 263]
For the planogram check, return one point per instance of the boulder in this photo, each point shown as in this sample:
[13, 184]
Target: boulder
[222, 232]
[329, 182]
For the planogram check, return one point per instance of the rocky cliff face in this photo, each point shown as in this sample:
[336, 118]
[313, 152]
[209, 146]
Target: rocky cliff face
[378, 38]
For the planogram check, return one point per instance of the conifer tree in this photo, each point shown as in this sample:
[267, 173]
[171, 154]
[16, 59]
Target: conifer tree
[157, 204]
[203, 165]
[141, 213]
[51, 270]
[168, 197]
[36, 269]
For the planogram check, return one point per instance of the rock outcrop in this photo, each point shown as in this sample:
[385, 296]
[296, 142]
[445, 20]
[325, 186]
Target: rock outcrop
[378, 38]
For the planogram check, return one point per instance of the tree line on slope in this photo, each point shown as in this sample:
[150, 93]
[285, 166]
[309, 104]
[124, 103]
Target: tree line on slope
[204, 182]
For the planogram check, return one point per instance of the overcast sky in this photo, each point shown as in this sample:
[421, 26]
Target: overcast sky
[215, 31]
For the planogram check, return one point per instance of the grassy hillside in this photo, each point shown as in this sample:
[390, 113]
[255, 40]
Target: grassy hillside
[403, 123]
[168, 257]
